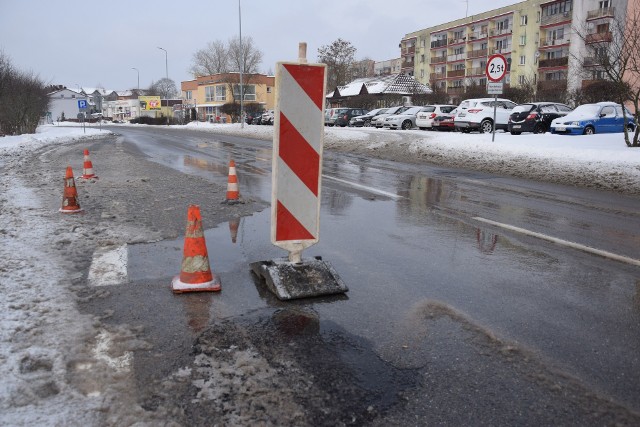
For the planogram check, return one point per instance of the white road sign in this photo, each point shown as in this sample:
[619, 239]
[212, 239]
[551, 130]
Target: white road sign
[496, 68]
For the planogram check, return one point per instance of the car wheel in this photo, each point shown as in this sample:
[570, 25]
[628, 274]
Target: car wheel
[539, 128]
[407, 125]
[515, 133]
[630, 128]
[367, 123]
[589, 130]
[486, 126]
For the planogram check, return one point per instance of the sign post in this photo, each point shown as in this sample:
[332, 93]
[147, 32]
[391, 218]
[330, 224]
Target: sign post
[82, 105]
[495, 72]
[296, 182]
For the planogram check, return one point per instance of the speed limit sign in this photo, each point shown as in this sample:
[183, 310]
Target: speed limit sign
[496, 68]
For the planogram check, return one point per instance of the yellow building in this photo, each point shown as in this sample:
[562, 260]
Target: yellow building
[537, 37]
[208, 94]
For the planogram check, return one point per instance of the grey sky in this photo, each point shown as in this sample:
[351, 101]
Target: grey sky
[84, 43]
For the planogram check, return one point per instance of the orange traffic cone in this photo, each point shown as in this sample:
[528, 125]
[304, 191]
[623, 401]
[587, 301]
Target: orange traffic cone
[233, 195]
[195, 274]
[87, 169]
[233, 229]
[70, 197]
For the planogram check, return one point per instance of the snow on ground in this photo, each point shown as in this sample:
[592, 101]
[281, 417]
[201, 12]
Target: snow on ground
[39, 323]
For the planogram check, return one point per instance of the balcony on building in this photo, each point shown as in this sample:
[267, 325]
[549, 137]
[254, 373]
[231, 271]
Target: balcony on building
[502, 50]
[563, 61]
[476, 35]
[480, 53]
[554, 19]
[605, 12]
[438, 43]
[545, 42]
[499, 32]
[477, 71]
[603, 37]
[438, 59]
[455, 73]
[457, 57]
[438, 76]
[456, 41]
[408, 50]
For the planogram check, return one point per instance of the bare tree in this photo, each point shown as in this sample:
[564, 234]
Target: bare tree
[23, 99]
[339, 57]
[214, 59]
[612, 55]
[166, 88]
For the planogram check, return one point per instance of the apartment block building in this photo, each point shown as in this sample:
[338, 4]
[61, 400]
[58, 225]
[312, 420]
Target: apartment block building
[539, 38]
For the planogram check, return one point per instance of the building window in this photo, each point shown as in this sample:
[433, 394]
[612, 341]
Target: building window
[221, 93]
[538, 17]
[523, 20]
[422, 58]
[458, 51]
[523, 40]
[268, 89]
[521, 80]
[421, 74]
[522, 59]
[458, 35]
[249, 92]
[604, 4]
[188, 94]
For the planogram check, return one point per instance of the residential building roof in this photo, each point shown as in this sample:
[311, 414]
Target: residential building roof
[397, 84]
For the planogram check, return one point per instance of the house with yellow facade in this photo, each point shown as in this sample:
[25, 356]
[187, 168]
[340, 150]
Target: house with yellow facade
[209, 97]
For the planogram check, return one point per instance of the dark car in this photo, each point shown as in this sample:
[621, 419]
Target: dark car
[251, 115]
[346, 115]
[535, 117]
[365, 119]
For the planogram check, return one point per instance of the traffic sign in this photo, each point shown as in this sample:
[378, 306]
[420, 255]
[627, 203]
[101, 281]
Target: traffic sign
[495, 88]
[496, 68]
[82, 104]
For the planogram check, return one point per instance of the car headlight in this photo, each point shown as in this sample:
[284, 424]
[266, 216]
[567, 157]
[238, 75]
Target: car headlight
[575, 123]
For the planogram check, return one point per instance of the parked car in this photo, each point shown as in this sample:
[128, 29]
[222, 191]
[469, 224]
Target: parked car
[444, 121]
[331, 114]
[424, 119]
[344, 117]
[405, 120]
[378, 121]
[257, 120]
[251, 115]
[535, 117]
[267, 117]
[477, 114]
[587, 119]
[365, 120]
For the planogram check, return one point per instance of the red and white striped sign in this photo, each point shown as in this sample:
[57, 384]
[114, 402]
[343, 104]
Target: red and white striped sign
[297, 155]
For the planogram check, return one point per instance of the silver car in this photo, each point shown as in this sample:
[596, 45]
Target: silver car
[404, 120]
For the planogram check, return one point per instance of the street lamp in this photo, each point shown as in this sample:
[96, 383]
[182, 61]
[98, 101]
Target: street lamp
[241, 68]
[138, 76]
[166, 68]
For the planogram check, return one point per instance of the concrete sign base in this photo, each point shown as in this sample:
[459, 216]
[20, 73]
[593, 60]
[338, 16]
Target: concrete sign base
[309, 278]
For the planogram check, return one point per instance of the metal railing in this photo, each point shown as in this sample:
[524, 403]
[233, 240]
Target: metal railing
[554, 19]
[605, 12]
[553, 62]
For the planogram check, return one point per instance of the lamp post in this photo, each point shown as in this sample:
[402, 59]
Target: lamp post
[166, 68]
[138, 76]
[241, 68]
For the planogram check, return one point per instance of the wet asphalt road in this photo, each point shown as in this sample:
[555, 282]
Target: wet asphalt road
[408, 238]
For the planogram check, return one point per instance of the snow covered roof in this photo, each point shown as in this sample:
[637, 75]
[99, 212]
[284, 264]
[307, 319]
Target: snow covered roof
[399, 84]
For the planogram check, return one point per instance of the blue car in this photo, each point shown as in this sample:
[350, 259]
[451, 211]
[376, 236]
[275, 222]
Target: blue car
[587, 119]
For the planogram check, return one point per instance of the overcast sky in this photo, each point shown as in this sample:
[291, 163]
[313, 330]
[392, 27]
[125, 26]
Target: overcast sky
[91, 44]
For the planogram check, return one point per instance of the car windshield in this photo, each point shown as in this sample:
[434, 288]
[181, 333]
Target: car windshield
[587, 110]
[429, 109]
[401, 110]
[412, 110]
